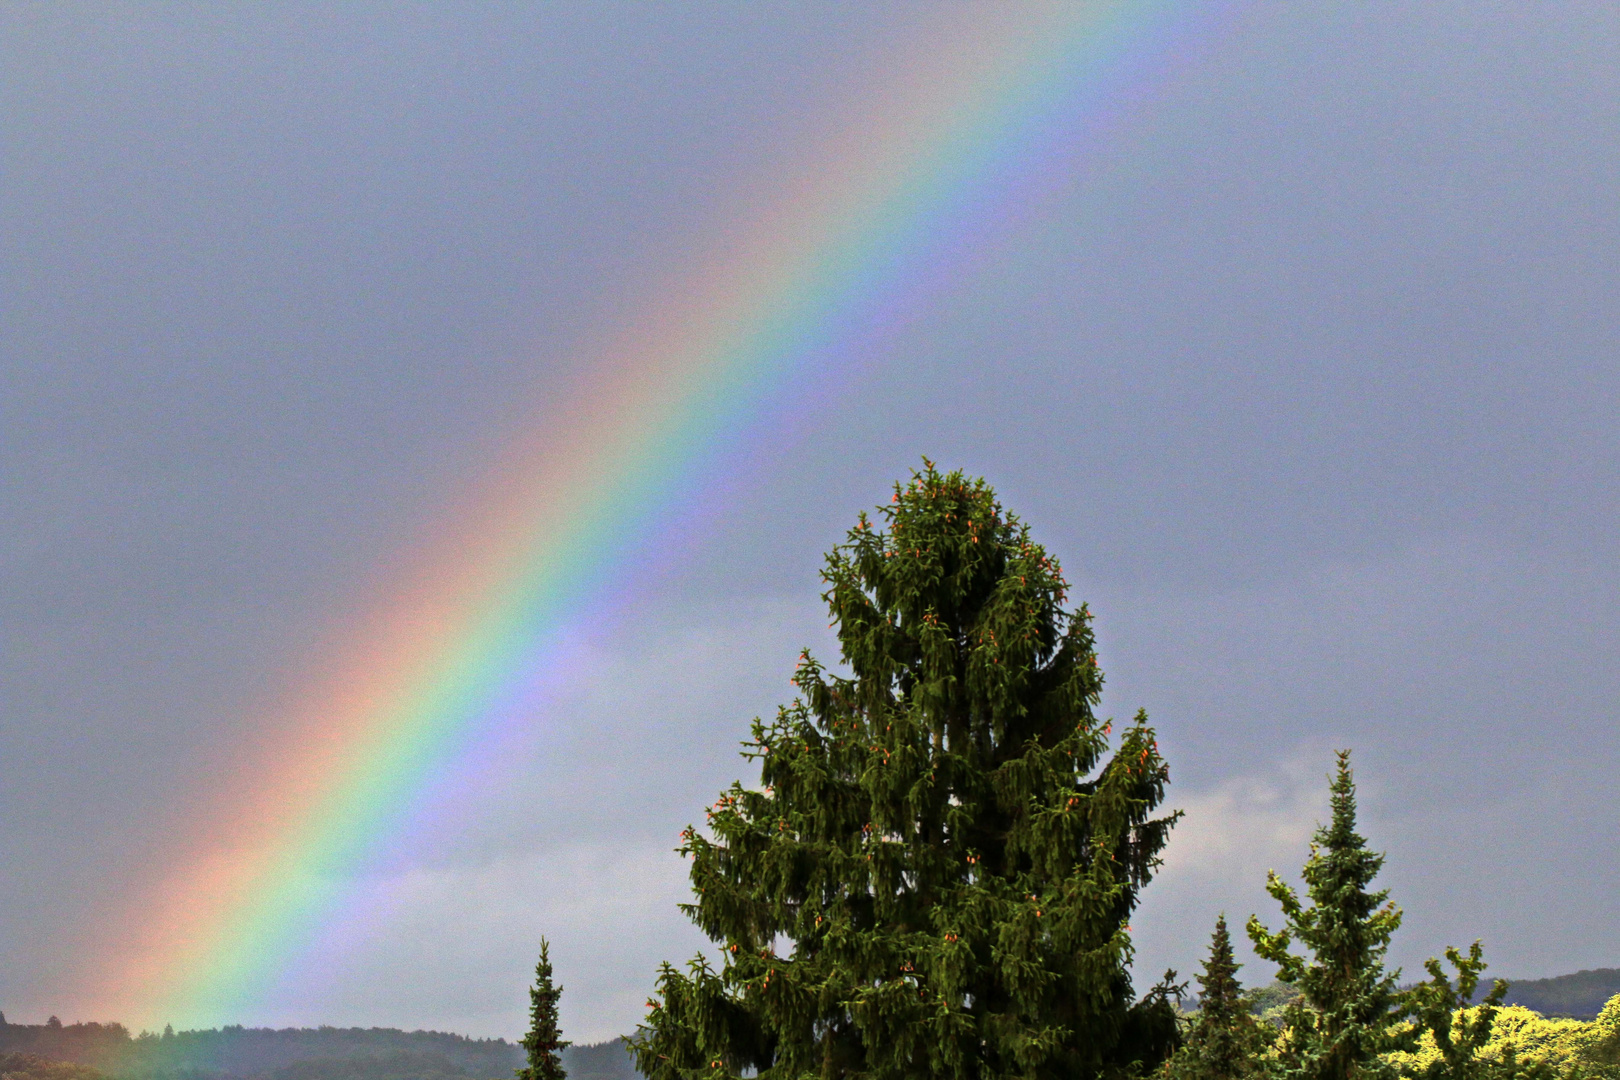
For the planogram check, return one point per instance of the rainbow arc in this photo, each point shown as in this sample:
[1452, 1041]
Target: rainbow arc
[995, 104]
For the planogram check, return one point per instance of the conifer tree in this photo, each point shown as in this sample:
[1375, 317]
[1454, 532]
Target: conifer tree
[1348, 1004]
[1224, 1040]
[936, 877]
[543, 1043]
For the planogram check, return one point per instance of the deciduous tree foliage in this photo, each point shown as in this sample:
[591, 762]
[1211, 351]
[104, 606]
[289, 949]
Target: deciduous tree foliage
[1348, 1005]
[1526, 1044]
[1490, 1041]
[544, 1041]
[1458, 1033]
[936, 878]
[1602, 1043]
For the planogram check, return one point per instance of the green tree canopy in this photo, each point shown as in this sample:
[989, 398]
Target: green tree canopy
[1602, 1044]
[544, 1041]
[1345, 1015]
[936, 877]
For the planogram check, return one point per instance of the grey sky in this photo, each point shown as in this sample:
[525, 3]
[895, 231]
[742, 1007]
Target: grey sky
[1308, 375]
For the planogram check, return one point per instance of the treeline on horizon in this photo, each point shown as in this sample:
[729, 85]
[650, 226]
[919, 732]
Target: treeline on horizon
[1578, 996]
[241, 1053]
[95, 1051]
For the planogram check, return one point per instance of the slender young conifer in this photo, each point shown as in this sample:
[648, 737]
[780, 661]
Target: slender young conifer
[544, 1042]
[936, 876]
[1225, 1040]
[1346, 1014]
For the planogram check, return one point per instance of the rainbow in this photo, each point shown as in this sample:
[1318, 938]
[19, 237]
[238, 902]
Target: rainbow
[990, 112]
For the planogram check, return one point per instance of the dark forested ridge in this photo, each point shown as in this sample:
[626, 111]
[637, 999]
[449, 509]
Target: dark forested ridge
[1580, 996]
[324, 1053]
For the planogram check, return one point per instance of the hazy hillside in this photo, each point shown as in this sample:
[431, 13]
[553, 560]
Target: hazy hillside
[400, 1066]
[601, 1061]
[286, 1054]
[38, 1051]
[1581, 995]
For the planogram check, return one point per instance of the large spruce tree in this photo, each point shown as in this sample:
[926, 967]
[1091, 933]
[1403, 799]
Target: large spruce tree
[1346, 1014]
[936, 877]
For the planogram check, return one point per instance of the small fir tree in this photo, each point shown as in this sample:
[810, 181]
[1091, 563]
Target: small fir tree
[544, 1042]
[1224, 1041]
[941, 843]
[1345, 1015]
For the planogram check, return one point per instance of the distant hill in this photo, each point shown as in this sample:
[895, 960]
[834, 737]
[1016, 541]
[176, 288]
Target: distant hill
[601, 1061]
[401, 1066]
[1581, 995]
[57, 1051]
[285, 1054]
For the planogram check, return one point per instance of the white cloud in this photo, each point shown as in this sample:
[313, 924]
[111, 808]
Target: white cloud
[460, 942]
[1247, 825]
[1218, 857]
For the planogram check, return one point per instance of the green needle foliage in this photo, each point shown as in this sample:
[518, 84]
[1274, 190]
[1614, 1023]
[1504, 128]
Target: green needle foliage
[544, 1041]
[936, 878]
[1225, 1040]
[1344, 1017]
